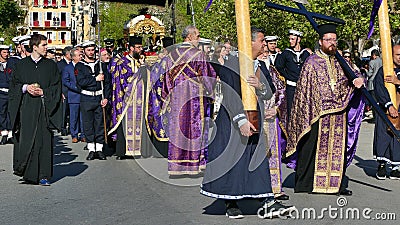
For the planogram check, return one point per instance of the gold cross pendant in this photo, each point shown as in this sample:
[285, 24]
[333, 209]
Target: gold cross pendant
[332, 83]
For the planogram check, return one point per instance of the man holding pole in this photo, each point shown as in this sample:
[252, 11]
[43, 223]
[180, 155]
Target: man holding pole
[129, 102]
[326, 116]
[89, 80]
[386, 146]
[238, 165]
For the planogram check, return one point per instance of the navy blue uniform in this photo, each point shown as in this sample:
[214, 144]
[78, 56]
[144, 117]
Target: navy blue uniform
[91, 96]
[289, 64]
[5, 77]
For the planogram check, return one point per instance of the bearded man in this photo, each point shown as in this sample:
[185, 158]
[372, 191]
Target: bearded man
[325, 121]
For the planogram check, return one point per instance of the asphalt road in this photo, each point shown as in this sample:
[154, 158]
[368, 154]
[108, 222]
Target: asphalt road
[140, 192]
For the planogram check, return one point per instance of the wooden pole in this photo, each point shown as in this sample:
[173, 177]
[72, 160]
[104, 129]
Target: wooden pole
[245, 53]
[386, 45]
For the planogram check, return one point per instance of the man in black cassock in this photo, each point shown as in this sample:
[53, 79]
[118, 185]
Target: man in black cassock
[237, 166]
[34, 107]
[386, 147]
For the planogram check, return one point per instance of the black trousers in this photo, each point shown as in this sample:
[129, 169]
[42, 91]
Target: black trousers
[289, 98]
[4, 118]
[65, 112]
[93, 125]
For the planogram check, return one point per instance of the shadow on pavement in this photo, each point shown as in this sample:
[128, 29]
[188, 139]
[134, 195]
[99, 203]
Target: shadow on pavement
[289, 181]
[369, 166]
[63, 162]
[247, 206]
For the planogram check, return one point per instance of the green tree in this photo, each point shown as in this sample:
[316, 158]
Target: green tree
[219, 21]
[11, 16]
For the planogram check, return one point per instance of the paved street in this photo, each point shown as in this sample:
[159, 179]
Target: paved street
[139, 192]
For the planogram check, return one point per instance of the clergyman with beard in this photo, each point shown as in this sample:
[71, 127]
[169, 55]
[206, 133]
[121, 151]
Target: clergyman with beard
[326, 117]
[129, 102]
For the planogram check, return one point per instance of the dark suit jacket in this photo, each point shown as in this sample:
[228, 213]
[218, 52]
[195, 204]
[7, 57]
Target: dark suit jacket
[61, 65]
[69, 80]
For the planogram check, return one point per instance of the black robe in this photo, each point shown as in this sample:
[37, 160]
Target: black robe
[32, 118]
[237, 166]
[386, 147]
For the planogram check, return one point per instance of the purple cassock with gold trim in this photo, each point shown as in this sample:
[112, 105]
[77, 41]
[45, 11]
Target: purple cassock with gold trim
[129, 91]
[327, 112]
[275, 128]
[179, 108]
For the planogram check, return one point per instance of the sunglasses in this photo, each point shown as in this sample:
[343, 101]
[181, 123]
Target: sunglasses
[346, 56]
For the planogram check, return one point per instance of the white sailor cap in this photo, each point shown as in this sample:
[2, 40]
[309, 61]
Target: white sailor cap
[51, 50]
[78, 45]
[26, 42]
[24, 38]
[204, 41]
[88, 44]
[16, 39]
[4, 47]
[271, 38]
[295, 33]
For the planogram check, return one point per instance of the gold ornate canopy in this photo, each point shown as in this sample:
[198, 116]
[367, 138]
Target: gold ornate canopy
[145, 24]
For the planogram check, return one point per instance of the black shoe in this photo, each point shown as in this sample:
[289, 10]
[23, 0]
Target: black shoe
[101, 156]
[381, 173]
[3, 140]
[64, 132]
[345, 192]
[91, 156]
[282, 197]
[273, 209]
[232, 210]
[85, 148]
[395, 175]
[234, 213]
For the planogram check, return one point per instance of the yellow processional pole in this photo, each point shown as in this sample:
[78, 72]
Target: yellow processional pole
[249, 97]
[386, 45]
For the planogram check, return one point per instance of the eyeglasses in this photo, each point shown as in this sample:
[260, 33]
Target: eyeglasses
[346, 56]
[332, 40]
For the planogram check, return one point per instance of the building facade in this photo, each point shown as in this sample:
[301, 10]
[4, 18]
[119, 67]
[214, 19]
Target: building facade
[63, 22]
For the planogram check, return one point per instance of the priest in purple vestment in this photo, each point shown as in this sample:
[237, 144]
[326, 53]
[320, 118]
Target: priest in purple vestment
[275, 124]
[325, 120]
[184, 92]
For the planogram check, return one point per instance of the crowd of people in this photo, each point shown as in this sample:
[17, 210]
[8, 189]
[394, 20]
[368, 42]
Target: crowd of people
[309, 112]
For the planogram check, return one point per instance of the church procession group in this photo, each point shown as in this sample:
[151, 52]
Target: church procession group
[309, 113]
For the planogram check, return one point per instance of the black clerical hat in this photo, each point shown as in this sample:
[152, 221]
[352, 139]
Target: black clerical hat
[135, 40]
[109, 42]
[326, 28]
[167, 41]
